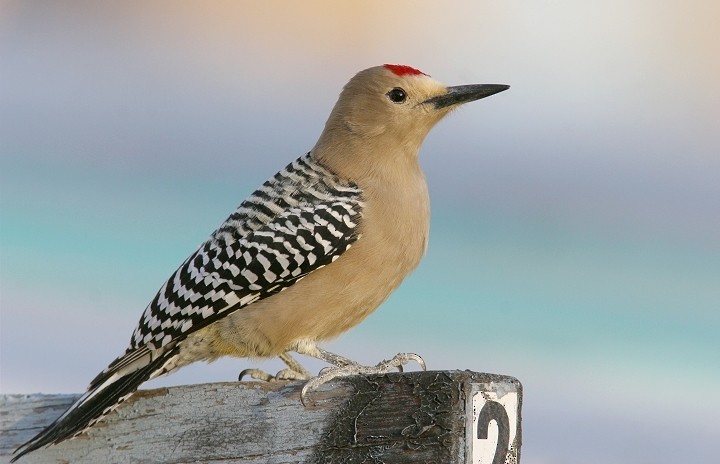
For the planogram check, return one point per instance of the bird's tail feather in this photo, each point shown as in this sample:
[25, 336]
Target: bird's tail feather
[96, 403]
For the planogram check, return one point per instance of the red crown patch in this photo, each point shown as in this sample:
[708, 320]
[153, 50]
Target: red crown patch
[403, 70]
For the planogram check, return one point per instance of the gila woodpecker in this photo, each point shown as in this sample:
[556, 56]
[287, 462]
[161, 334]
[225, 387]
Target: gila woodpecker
[307, 256]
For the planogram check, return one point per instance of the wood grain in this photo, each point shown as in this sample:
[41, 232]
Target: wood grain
[395, 418]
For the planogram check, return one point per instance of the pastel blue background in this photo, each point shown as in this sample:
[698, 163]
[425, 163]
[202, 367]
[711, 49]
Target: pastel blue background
[575, 239]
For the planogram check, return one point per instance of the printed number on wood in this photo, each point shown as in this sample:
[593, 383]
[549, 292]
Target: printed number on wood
[494, 426]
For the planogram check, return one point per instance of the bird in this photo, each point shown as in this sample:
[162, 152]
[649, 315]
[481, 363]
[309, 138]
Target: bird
[309, 255]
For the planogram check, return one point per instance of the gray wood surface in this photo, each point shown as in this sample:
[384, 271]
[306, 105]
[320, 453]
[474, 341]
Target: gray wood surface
[395, 418]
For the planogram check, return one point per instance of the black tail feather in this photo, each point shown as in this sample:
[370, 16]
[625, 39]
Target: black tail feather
[91, 407]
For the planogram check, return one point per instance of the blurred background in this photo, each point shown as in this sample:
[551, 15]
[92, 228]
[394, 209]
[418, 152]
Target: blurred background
[575, 239]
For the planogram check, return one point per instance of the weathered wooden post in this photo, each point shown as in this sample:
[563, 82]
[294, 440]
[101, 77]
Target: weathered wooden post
[418, 417]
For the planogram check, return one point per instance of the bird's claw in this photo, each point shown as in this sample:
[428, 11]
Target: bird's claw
[382, 367]
[282, 375]
[257, 374]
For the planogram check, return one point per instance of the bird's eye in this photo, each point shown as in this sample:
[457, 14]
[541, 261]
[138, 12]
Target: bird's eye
[397, 95]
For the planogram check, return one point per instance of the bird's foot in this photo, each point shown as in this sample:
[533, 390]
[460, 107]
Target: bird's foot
[294, 371]
[282, 375]
[348, 369]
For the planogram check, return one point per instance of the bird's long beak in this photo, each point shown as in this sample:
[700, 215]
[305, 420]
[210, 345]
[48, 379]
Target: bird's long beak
[464, 94]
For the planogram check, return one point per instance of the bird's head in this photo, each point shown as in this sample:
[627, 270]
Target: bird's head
[397, 104]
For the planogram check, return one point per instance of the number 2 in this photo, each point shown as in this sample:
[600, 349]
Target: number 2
[495, 411]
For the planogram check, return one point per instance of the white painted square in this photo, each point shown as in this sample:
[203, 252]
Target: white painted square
[497, 401]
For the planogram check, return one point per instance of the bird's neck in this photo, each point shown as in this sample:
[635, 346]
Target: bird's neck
[369, 159]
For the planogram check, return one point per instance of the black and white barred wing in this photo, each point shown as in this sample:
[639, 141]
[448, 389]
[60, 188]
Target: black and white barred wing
[224, 276]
